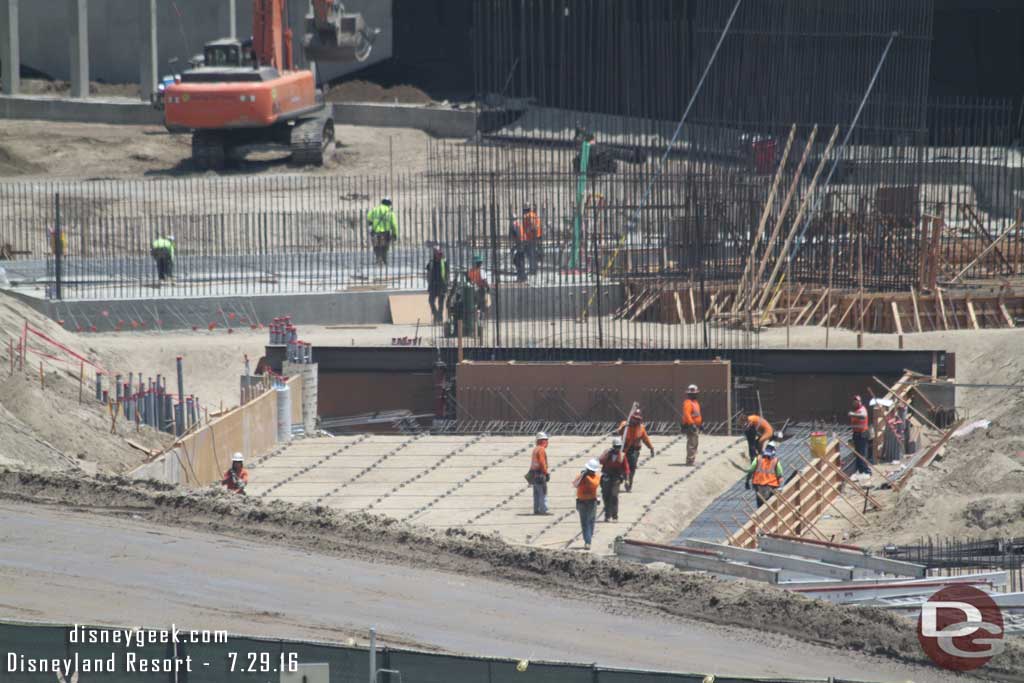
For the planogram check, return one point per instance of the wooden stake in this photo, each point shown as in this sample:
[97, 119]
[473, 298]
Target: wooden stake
[896, 319]
[1006, 314]
[679, 308]
[825, 319]
[835, 489]
[693, 307]
[842, 319]
[942, 308]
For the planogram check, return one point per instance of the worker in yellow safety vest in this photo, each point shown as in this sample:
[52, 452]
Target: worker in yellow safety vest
[383, 229]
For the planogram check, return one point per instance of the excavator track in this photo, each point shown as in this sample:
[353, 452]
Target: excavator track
[208, 150]
[310, 140]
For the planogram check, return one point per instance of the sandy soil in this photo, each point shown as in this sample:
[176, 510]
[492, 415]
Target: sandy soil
[364, 91]
[39, 86]
[662, 594]
[94, 150]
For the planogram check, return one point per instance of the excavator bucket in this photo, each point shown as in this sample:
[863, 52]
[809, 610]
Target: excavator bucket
[334, 35]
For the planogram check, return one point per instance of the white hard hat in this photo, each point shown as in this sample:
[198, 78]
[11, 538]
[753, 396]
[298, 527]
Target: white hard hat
[692, 389]
[170, 237]
[593, 465]
[237, 457]
[617, 442]
[542, 436]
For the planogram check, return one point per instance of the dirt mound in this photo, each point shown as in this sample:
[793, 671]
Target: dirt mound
[12, 164]
[42, 423]
[642, 589]
[365, 91]
[38, 86]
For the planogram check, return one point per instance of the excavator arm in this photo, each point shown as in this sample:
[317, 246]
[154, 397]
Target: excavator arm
[335, 35]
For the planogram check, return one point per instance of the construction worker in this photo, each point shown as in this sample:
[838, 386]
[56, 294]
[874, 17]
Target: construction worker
[860, 426]
[766, 473]
[692, 422]
[758, 431]
[531, 231]
[437, 283]
[633, 433]
[476, 276]
[517, 236]
[162, 251]
[587, 484]
[237, 477]
[383, 229]
[539, 475]
[614, 471]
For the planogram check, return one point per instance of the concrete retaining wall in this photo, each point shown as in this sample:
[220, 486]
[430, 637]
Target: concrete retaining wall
[439, 122]
[94, 110]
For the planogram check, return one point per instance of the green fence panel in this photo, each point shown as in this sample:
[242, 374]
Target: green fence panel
[624, 676]
[32, 643]
[541, 672]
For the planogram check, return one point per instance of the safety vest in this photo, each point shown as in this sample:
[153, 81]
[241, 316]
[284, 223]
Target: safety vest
[587, 486]
[539, 460]
[382, 220]
[164, 243]
[475, 275]
[439, 267]
[530, 228]
[765, 475]
[691, 413]
[859, 420]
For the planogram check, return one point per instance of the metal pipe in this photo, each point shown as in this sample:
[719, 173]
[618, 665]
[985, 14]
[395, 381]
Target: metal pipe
[373, 655]
[181, 379]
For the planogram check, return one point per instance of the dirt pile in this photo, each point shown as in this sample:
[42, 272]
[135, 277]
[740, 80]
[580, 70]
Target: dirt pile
[42, 423]
[365, 91]
[12, 164]
[39, 86]
[378, 539]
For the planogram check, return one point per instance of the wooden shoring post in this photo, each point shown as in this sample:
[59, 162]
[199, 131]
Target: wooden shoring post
[784, 253]
[1006, 313]
[835, 489]
[970, 311]
[783, 210]
[854, 485]
[917, 313]
[896, 319]
[942, 308]
[815, 309]
[755, 242]
[902, 400]
[860, 285]
[982, 231]
[781, 495]
[693, 307]
[679, 308]
[938, 226]
[842, 318]
[826, 320]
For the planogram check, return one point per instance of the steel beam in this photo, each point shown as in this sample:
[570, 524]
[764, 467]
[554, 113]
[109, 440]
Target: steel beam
[760, 558]
[79, 33]
[684, 560]
[845, 557]
[10, 48]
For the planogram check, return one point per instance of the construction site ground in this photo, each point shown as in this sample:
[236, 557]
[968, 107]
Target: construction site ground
[33, 149]
[178, 552]
[477, 483]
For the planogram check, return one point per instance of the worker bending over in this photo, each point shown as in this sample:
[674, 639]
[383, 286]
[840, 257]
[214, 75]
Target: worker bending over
[539, 475]
[383, 229]
[586, 484]
[766, 473]
[633, 433]
[162, 251]
[692, 422]
[860, 427]
[758, 432]
[237, 477]
[614, 471]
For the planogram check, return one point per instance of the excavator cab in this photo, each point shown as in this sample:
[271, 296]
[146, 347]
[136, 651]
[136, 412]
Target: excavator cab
[334, 35]
[223, 53]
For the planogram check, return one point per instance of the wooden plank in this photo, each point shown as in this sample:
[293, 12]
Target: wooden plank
[917, 314]
[679, 308]
[970, 311]
[409, 309]
[842, 319]
[896, 317]
[800, 315]
[693, 308]
[1006, 315]
[827, 316]
[815, 309]
[942, 308]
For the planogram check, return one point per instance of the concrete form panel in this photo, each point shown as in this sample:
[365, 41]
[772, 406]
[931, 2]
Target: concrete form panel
[591, 392]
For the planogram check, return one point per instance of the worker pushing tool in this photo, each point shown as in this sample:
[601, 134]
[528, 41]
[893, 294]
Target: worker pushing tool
[693, 422]
[633, 433]
[162, 251]
[236, 478]
[539, 476]
[758, 432]
[614, 471]
[766, 473]
[587, 484]
[383, 230]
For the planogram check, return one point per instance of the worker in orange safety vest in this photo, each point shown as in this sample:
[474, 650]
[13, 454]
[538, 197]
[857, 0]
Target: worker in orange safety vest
[531, 232]
[587, 484]
[237, 477]
[633, 433]
[758, 432]
[692, 422]
[614, 471]
[766, 474]
[539, 475]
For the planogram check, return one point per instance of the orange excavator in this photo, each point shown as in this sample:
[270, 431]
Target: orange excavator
[242, 96]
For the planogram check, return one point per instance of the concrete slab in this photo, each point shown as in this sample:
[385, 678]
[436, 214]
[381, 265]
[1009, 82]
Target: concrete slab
[477, 483]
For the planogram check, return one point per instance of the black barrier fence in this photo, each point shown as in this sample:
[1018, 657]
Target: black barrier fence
[258, 660]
